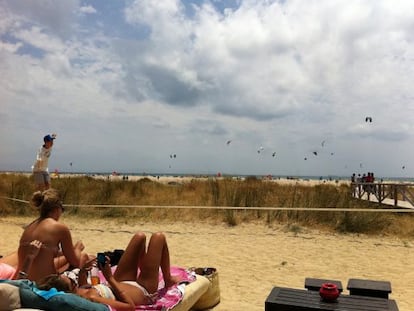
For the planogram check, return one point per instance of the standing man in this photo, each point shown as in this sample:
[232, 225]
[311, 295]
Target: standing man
[40, 167]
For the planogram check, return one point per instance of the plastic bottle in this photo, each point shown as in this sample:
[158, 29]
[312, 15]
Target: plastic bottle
[94, 276]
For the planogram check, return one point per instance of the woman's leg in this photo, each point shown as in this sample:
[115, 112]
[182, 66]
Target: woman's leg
[157, 256]
[61, 264]
[128, 264]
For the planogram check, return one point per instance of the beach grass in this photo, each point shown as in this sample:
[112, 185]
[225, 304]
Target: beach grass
[123, 200]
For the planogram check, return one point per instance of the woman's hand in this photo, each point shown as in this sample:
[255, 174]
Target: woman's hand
[34, 248]
[88, 265]
[106, 268]
[83, 272]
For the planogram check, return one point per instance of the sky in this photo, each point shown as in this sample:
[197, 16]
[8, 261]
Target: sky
[241, 87]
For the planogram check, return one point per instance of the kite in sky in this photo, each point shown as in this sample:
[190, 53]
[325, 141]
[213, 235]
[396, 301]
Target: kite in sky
[368, 119]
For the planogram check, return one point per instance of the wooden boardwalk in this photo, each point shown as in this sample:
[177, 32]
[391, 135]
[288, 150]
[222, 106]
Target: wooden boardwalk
[399, 195]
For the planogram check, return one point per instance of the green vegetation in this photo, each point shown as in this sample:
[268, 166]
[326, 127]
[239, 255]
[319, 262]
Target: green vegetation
[78, 192]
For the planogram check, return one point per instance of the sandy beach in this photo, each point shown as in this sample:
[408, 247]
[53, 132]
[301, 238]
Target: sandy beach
[253, 258]
[185, 179]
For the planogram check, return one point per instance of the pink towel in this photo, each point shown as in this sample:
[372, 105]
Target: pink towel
[168, 298]
[6, 271]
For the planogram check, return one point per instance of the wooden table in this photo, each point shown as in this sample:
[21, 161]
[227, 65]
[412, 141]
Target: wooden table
[290, 299]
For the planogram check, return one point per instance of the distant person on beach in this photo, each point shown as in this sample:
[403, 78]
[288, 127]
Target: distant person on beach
[40, 167]
[57, 252]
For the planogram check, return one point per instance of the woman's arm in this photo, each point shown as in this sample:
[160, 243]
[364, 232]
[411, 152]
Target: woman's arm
[83, 272]
[71, 252]
[121, 296]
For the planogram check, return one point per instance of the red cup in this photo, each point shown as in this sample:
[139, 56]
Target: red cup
[329, 292]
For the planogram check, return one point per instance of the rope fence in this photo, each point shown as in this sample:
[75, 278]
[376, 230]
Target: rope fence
[258, 208]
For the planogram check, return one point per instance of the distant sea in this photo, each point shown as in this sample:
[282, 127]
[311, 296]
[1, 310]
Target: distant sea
[303, 177]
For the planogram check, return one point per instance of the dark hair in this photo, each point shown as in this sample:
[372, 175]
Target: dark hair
[53, 280]
[46, 201]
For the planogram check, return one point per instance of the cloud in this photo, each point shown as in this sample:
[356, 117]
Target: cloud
[272, 73]
[56, 16]
[88, 9]
[10, 47]
[36, 37]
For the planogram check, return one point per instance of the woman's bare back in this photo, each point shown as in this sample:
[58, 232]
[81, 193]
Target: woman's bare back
[49, 232]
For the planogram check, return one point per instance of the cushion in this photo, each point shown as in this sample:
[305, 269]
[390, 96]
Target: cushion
[192, 293]
[9, 297]
[65, 302]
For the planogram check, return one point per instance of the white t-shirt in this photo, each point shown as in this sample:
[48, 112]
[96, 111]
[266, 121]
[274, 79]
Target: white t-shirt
[42, 160]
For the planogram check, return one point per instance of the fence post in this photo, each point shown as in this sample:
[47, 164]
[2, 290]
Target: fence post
[395, 195]
[379, 193]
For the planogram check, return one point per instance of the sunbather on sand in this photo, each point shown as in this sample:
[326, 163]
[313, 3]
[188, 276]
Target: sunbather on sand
[55, 237]
[125, 289]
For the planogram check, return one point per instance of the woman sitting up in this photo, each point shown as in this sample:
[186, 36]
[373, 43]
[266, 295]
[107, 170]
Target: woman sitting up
[126, 288]
[55, 237]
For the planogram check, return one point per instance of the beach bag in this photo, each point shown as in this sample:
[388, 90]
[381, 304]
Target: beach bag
[212, 296]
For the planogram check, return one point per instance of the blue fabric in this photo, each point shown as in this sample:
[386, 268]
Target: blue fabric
[47, 294]
[65, 302]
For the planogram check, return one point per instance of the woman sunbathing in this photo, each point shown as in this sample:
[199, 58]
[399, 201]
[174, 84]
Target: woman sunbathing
[55, 237]
[127, 287]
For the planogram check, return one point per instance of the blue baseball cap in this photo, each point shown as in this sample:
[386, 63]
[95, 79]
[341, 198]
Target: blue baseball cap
[48, 138]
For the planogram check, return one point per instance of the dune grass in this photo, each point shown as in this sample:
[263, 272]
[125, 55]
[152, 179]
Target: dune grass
[250, 193]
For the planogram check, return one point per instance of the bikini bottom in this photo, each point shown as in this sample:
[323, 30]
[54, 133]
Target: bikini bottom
[151, 297]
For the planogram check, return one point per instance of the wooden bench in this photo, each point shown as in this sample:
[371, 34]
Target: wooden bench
[370, 288]
[315, 284]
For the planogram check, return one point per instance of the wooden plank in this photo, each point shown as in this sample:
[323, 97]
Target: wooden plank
[386, 201]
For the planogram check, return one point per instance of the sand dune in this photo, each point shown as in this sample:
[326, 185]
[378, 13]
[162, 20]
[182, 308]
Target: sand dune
[252, 258]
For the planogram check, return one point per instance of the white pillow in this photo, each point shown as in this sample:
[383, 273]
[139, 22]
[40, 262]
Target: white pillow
[9, 297]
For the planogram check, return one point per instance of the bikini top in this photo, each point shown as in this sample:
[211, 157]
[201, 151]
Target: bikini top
[104, 291]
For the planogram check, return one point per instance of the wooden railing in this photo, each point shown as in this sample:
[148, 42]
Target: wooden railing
[401, 195]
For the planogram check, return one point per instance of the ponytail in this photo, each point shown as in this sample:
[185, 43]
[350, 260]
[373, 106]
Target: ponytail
[46, 201]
